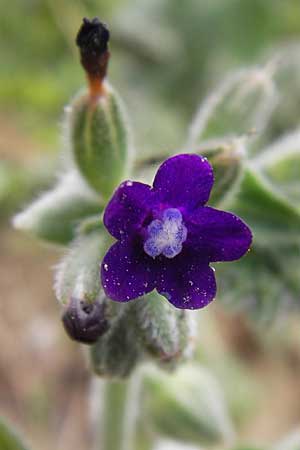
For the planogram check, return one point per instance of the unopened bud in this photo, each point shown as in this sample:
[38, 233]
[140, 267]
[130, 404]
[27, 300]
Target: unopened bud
[100, 140]
[242, 103]
[85, 321]
[166, 334]
[96, 121]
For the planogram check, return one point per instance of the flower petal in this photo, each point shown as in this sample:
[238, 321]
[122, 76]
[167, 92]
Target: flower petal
[128, 208]
[219, 235]
[187, 282]
[127, 272]
[184, 180]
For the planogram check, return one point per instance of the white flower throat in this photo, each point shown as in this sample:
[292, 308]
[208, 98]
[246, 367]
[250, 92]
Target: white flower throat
[166, 236]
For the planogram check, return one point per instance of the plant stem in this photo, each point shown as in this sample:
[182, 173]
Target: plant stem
[131, 413]
[115, 397]
[117, 410]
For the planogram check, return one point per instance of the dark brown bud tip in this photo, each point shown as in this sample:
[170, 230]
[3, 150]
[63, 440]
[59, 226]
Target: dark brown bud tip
[92, 40]
[83, 321]
[93, 36]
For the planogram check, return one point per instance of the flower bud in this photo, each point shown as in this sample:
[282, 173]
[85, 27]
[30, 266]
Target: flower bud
[96, 121]
[100, 140]
[166, 333]
[227, 157]
[84, 321]
[239, 105]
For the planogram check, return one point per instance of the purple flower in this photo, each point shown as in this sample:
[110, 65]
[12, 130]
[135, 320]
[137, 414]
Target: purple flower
[166, 237]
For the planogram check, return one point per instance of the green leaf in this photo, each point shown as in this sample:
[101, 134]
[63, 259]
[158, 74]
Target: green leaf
[265, 283]
[271, 217]
[100, 141]
[188, 405]
[9, 439]
[281, 164]
[285, 116]
[240, 104]
[56, 215]
[18, 184]
[77, 275]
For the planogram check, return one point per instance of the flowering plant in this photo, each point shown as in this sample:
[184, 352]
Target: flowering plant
[155, 242]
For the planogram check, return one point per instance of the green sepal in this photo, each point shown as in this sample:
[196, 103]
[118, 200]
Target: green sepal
[165, 333]
[9, 439]
[116, 354]
[187, 405]
[56, 215]
[100, 140]
[78, 274]
[146, 327]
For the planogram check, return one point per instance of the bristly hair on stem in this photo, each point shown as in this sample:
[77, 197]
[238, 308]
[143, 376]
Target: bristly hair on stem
[92, 40]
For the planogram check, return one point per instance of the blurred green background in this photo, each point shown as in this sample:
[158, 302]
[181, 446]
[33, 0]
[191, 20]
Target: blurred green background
[167, 55]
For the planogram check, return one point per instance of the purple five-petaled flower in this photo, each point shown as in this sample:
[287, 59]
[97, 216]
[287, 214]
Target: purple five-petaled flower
[166, 237]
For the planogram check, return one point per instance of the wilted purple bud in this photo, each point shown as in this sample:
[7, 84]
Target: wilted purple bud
[92, 40]
[84, 321]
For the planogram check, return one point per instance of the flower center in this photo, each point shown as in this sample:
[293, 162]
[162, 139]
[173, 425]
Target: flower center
[167, 235]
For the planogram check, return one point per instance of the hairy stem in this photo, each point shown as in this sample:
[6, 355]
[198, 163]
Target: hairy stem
[116, 404]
